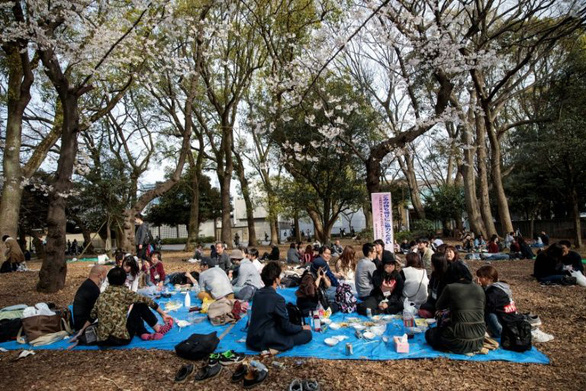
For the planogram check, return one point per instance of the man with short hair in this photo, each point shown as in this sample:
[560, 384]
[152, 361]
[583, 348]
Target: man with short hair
[270, 327]
[426, 253]
[247, 281]
[381, 253]
[87, 294]
[364, 271]
[222, 258]
[141, 238]
[213, 281]
[571, 258]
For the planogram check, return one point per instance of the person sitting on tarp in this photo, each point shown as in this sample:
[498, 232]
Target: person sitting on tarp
[213, 281]
[461, 326]
[248, 279]
[116, 326]
[87, 294]
[269, 326]
[314, 286]
[388, 284]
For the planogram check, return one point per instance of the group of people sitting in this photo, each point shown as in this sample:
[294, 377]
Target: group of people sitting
[433, 282]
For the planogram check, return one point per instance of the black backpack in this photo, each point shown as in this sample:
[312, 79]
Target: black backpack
[295, 314]
[516, 334]
[197, 346]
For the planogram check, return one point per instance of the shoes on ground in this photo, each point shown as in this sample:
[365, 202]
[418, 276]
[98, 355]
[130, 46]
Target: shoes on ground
[208, 371]
[239, 373]
[533, 320]
[184, 372]
[539, 336]
[255, 376]
[230, 357]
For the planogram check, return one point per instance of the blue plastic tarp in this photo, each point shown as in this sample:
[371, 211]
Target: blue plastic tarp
[363, 349]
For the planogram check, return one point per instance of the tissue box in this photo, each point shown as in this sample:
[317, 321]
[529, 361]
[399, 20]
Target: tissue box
[400, 346]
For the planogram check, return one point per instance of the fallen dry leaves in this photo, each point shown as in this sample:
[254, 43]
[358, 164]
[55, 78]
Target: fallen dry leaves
[562, 310]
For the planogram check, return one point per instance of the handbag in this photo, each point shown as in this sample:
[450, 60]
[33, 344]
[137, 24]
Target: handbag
[38, 325]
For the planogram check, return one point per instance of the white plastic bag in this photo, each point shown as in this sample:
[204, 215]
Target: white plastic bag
[580, 278]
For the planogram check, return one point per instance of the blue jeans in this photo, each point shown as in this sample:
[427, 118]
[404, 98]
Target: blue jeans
[555, 279]
[495, 257]
[493, 326]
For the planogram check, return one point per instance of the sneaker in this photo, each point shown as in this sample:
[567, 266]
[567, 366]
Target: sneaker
[239, 373]
[184, 372]
[533, 320]
[214, 358]
[230, 357]
[310, 385]
[539, 336]
[164, 329]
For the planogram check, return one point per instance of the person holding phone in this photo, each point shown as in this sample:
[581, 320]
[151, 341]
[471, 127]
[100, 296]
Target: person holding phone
[313, 288]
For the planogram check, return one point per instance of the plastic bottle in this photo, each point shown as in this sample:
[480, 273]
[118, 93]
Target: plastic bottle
[408, 322]
[316, 323]
[320, 310]
[187, 300]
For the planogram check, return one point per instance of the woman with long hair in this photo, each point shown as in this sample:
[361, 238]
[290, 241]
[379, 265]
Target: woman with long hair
[346, 264]
[308, 255]
[416, 281]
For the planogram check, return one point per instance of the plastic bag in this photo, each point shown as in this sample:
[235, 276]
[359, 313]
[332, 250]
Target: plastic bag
[580, 278]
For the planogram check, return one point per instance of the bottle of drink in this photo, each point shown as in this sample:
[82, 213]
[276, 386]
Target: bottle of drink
[187, 300]
[320, 310]
[316, 323]
[369, 313]
[408, 322]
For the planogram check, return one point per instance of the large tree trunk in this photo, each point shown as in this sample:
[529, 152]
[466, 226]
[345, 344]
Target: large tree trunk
[481, 159]
[239, 166]
[408, 168]
[54, 270]
[20, 79]
[469, 183]
[320, 233]
[193, 228]
[497, 179]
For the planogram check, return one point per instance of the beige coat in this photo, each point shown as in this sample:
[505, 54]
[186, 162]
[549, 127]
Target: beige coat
[13, 252]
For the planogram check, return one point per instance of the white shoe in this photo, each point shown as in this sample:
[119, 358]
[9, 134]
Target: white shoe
[539, 336]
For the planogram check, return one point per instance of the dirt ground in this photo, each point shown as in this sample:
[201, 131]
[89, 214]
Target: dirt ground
[562, 310]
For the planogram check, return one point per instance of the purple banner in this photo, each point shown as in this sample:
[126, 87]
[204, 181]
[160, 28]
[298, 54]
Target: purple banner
[382, 219]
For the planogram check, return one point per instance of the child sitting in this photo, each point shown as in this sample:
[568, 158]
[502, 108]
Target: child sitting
[499, 300]
[155, 270]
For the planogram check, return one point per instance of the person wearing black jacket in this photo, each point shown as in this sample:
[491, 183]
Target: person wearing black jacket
[388, 284]
[549, 268]
[269, 326]
[87, 295]
[500, 306]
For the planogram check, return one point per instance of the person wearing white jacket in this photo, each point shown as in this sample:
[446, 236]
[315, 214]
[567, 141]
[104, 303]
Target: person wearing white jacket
[416, 280]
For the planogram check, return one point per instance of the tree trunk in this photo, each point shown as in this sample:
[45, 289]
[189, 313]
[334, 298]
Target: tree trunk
[576, 215]
[497, 180]
[469, 183]
[38, 246]
[320, 233]
[20, 79]
[297, 230]
[239, 166]
[408, 169]
[274, 224]
[193, 228]
[481, 159]
[54, 270]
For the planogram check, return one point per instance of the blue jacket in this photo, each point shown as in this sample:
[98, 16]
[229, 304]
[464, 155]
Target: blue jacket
[269, 322]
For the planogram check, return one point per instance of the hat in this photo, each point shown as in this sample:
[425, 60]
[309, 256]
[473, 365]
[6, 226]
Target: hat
[207, 261]
[236, 254]
[388, 258]
[317, 263]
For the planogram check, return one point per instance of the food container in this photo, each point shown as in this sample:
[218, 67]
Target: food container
[331, 341]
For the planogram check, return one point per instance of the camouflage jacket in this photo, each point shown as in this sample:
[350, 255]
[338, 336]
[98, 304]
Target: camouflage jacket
[111, 310]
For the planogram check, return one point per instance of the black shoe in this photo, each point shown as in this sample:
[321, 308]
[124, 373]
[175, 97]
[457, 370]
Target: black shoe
[230, 357]
[208, 372]
[239, 373]
[567, 280]
[310, 385]
[184, 372]
[254, 377]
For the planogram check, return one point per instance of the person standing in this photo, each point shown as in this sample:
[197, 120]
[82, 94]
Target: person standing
[141, 238]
